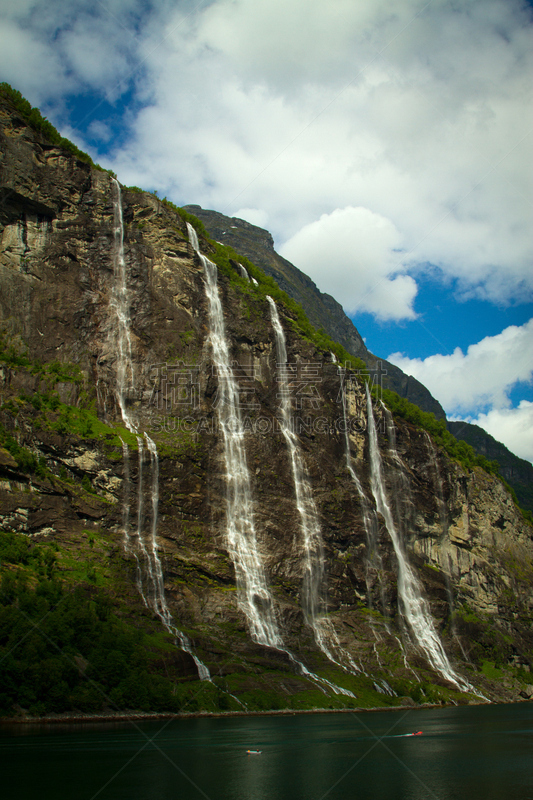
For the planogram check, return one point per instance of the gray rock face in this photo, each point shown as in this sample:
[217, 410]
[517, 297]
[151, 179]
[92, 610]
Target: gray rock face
[468, 544]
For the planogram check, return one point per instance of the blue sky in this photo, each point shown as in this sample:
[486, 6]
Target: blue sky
[386, 146]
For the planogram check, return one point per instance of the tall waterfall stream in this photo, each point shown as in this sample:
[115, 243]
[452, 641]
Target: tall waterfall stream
[254, 595]
[413, 605]
[154, 594]
[314, 584]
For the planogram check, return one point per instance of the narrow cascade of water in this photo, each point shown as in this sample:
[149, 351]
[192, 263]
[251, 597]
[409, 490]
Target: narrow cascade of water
[314, 575]
[434, 462]
[139, 533]
[313, 579]
[413, 606]
[126, 492]
[244, 273]
[370, 520]
[400, 495]
[160, 604]
[120, 304]
[254, 595]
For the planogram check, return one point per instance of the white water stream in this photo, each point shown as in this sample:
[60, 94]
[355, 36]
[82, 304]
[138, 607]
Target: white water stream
[413, 605]
[122, 340]
[121, 308]
[373, 558]
[314, 584]
[254, 595]
[244, 273]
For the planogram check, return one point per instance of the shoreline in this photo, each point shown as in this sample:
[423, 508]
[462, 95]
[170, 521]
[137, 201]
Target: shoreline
[148, 716]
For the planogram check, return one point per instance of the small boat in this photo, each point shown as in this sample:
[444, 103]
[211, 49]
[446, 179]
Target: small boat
[417, 733]
[254, 752]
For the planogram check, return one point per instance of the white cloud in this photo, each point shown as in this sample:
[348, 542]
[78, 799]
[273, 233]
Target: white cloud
[49, 48]
[352, 254]
[414, 111]
[30, 64]
[483, 377]
[99, 130]
[512, 426]
[255, 216]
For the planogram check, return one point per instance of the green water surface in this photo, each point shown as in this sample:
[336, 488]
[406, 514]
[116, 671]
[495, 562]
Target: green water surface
[467, 753]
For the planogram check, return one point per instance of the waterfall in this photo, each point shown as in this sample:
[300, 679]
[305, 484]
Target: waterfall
[370, 520]
[312, 538]
[126, 490]
[244, 273]
[313, 586]
[120, 305]
[139, 533]
[433, 460]
[254, 596]
[160, 605]
[412, 604]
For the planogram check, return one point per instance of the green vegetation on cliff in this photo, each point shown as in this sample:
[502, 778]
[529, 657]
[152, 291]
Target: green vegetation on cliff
[35, 120]
[63, 648]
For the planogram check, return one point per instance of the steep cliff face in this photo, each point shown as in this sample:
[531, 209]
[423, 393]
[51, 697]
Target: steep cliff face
[114, 450]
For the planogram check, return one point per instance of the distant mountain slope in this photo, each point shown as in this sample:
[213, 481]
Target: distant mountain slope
[322, 309]
[517, 471]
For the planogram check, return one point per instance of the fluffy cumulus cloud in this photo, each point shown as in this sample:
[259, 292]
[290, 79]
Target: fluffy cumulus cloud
[483, 376]
[513, 426]
[50, 49]
[415, 113]
[352, 254]
[412, 110]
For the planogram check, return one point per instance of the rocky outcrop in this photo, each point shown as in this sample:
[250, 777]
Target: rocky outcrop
[71, 470]
[517, 471]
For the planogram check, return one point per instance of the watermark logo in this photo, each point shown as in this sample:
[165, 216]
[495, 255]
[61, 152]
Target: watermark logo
[297, 384]
[176, 393]
[174, 386]
[243, 387]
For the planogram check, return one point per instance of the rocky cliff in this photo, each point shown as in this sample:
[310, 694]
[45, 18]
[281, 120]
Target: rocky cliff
[517, 471]
[117, 429]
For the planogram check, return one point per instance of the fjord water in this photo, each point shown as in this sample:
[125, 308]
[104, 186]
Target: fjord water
[467, 753]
